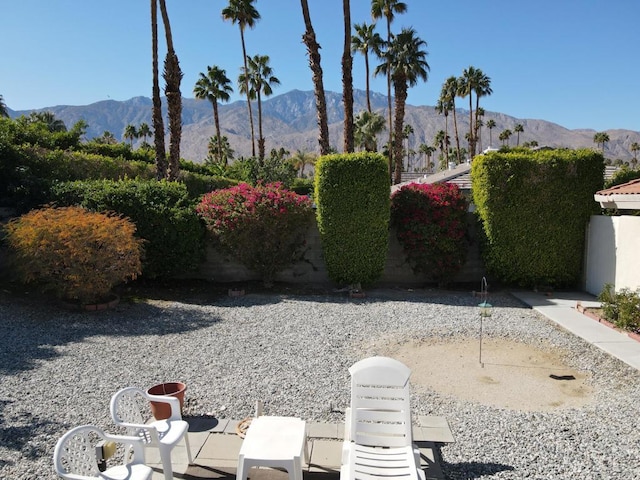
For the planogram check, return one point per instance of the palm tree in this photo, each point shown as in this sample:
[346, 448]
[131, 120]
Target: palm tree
[466, 85]
[313, 50]
[347, 78]
[158, 122]
[4, 112]
[220, 152]
[245, 15]
[448, 94]
[479, 125]
[518, 129]
[406, 132]
[427, 151]
[52, 123]
[482, 88]
[635, 147]
[130, 133]
[365, 41]
[214, 86]
[505, 135]
[407, 64]
[172, 76]
[302, 158]
[367, 126]
[491, 124]
[261, 82]
[601, 138]
[144, 131]
[387, 9]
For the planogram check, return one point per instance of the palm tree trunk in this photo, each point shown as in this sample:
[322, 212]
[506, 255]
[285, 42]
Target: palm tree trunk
[216, 119]
[158, 124]
[390, 149]
[347, 79]
[368, 88]
[313, 50]
[173, 76]
[446, 135]
[400, 89]
[260, 137]
[246, 86]
[471, 153]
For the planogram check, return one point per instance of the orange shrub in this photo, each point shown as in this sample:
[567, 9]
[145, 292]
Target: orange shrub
[78, 254]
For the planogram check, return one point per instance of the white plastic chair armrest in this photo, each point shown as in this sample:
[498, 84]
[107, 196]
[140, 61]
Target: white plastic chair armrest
[347, 424]
[136, 443]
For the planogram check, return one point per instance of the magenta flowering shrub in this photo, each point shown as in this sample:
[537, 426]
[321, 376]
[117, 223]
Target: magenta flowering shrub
[430, 221]
[263, 227]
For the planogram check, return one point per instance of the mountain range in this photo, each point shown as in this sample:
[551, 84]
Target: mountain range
[289, 121]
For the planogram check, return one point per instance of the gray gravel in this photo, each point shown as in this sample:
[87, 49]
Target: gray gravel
[59, 369]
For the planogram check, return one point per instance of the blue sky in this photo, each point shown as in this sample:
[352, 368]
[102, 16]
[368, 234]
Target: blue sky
[572, 62]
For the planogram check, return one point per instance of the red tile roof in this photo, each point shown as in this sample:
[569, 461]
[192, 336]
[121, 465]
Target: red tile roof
[629, 188]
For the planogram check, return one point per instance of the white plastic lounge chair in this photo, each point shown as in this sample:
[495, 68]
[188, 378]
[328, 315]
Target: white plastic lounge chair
[75, 456]
[378, 439]
[127, 407]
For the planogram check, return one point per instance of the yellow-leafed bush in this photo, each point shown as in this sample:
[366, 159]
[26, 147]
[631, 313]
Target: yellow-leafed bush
[78, 254]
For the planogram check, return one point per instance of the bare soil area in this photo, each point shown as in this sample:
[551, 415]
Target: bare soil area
[512, 375]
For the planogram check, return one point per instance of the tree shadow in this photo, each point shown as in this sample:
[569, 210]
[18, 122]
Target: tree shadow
[471, 470]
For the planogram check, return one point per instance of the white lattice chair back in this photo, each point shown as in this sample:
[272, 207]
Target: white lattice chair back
[131, 406]
[75, 455]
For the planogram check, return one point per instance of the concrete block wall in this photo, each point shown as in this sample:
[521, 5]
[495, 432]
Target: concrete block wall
[311, 268]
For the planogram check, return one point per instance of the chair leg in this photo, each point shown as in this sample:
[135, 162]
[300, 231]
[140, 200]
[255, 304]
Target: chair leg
[188, 447]
[167, 469]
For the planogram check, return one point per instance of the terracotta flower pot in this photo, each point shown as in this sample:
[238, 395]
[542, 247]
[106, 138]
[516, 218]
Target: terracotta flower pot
[162, 410]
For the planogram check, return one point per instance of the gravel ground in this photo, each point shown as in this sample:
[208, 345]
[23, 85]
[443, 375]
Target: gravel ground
[59, 369]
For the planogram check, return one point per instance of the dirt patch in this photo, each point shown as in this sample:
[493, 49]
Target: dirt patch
[513, 375]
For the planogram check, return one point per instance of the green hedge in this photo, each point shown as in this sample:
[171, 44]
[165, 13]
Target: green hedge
[353, 207]
[535, 207]
[163, 212]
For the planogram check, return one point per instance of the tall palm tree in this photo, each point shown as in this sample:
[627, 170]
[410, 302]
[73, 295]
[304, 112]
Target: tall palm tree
[214, 86]
[172, 76]
[144, 131]
[261, 82]
[505, 135]
[467, 84]
[364, 41]
[220, 146]
[442, 108]
[449, 92]
[482, 88]
[245, 15]
[387, 9]
[407, 131]
[367, 127]
[313, 50]
[518, 129]
[427, 151]
[406, 61]
[4, 112]
[347, 78]
[158, 122]
[491, 124]
[130, 132]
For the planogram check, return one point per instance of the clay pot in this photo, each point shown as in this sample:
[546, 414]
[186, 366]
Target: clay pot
[162, 410]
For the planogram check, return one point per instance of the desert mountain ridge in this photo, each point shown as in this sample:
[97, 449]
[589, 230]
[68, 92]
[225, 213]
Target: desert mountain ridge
[289, 121]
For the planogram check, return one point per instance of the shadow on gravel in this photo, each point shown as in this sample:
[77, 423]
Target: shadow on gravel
[21, 435]
[470, 470]
[31, 329]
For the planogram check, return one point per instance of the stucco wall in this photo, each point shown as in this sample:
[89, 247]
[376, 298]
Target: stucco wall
[613, 253]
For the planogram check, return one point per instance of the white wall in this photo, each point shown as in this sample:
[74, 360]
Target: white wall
[613, 253]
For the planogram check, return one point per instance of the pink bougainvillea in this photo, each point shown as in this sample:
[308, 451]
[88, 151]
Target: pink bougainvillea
[430, 221]
[262, 226]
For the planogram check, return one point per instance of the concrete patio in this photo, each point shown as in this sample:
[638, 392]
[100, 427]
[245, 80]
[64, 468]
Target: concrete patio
[215, 446]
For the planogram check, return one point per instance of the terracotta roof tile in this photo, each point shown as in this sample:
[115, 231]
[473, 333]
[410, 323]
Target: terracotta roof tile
[629, 188]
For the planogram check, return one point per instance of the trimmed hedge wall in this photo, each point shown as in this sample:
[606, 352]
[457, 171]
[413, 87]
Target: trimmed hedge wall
[163, 213]
[535, 207]
[353, 208]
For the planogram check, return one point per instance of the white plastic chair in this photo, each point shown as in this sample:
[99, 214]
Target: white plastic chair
[378, 432]
[75, 456]
[127, 407]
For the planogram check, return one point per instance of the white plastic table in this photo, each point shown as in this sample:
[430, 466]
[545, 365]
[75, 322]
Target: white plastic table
[277, 442]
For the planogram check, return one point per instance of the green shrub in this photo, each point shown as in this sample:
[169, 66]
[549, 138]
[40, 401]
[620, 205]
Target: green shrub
[353, 207]
[162, 211]
[535, 207]
[263, 227]
[302, 186]
[622, 307]
[430, 221]
[78, 254]
[198, 184]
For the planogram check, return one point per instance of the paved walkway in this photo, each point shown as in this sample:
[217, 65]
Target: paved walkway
[560, 307]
